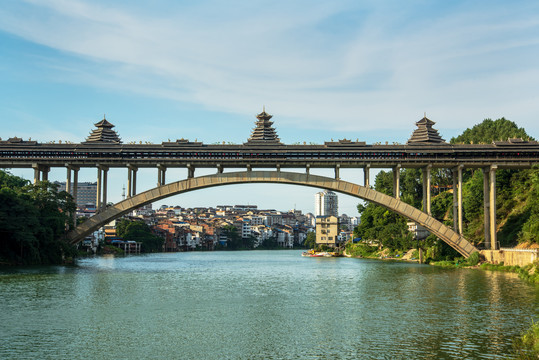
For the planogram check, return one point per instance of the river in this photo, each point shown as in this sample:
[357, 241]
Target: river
[259, 305]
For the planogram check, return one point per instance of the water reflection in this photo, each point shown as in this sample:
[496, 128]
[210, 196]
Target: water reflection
[260, 305]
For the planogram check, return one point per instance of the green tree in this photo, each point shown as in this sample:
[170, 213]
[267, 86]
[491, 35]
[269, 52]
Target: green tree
[489, 131]
[310, 240]
[140, 232]
[33, 221]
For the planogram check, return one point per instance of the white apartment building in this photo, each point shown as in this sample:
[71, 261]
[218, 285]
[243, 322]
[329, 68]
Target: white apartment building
[326, 204]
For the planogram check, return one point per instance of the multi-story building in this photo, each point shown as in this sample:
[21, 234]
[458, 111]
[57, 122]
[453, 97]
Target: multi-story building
[327, 230]
[86, 193]
[326, 204]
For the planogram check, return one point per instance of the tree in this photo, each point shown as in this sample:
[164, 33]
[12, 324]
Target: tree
[310, 240]
[140, 232]
[33, 221]
[489, 131]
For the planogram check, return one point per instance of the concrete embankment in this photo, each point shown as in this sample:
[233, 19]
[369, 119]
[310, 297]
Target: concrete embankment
[511, 257]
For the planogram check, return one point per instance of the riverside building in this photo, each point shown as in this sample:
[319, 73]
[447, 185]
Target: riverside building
[326, 204]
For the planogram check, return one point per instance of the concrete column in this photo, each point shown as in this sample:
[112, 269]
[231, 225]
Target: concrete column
[37, 173]
[219, 169]
[134, 181]
[278, 167]
[75, 191]
[459, 198]
[337, 172]
[68, 179]
[161, 171]
[366, 175]
[105, 183]
[454, 173]
[45, 173]
[426, 189]
[396, 181]
[99, 182]
[129, 181]
[308, 169]
[190, 171]
[486, 206]
[249, 169]
[493, 236]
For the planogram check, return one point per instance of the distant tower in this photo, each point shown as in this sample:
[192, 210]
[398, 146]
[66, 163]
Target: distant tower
[326, 203]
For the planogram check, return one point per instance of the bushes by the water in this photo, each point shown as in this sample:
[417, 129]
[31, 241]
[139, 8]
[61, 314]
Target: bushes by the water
[527, 345]
[361, 250]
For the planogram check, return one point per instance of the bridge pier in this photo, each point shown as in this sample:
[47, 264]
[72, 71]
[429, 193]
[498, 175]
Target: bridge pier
[426, 188]
[337, 172]
[75, 190]
[101, 200]
[486, 205]
[366, 175]
[45, 173]
[457, 199]
[307, 169]
[131, 180]
[493, 236]
[161, 171]
[220, 168]
[190, 171]
[396, 181]
[36, 173]
[41, 172]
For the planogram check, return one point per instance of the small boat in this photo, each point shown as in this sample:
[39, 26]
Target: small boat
[311, 254]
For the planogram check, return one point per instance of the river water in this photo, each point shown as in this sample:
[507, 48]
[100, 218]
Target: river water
[259, 305]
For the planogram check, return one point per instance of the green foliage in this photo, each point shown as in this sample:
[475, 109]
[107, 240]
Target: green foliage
[235, 241]
[527, 345]
[33, 221]
[489, 131]
[310, 241]
[473, 259]
[121, 227]
[269, 244]
[140, 232]
[361, 250]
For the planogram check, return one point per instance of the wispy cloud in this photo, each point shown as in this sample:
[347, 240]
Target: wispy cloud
[359, 67]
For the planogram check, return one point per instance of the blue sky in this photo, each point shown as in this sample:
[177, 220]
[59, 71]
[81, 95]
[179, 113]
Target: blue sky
[202, 70]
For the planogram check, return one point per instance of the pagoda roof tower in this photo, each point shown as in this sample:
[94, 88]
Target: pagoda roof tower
[425, 133]
[263, 133]
[103, 133]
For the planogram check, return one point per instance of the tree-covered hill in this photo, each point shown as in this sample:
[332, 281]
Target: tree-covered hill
[517, 193]
[33, 220]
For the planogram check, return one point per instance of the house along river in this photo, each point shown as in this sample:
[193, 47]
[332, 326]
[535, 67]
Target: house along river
[259, 305]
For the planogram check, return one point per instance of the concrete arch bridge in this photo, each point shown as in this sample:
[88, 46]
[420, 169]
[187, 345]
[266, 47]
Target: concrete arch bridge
[455, 240]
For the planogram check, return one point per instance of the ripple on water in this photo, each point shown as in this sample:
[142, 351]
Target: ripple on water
[259, 305]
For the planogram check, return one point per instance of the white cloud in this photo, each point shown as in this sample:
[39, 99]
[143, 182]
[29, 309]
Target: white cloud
[387, 70]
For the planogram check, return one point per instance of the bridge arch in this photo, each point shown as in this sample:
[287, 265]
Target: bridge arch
[456, 241]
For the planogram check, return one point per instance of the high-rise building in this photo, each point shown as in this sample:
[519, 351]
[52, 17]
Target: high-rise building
[86, 193]
[326, 204]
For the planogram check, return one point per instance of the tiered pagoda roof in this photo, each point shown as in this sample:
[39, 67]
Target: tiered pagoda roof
[425, 133]
[103, 133]
[264, 133]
